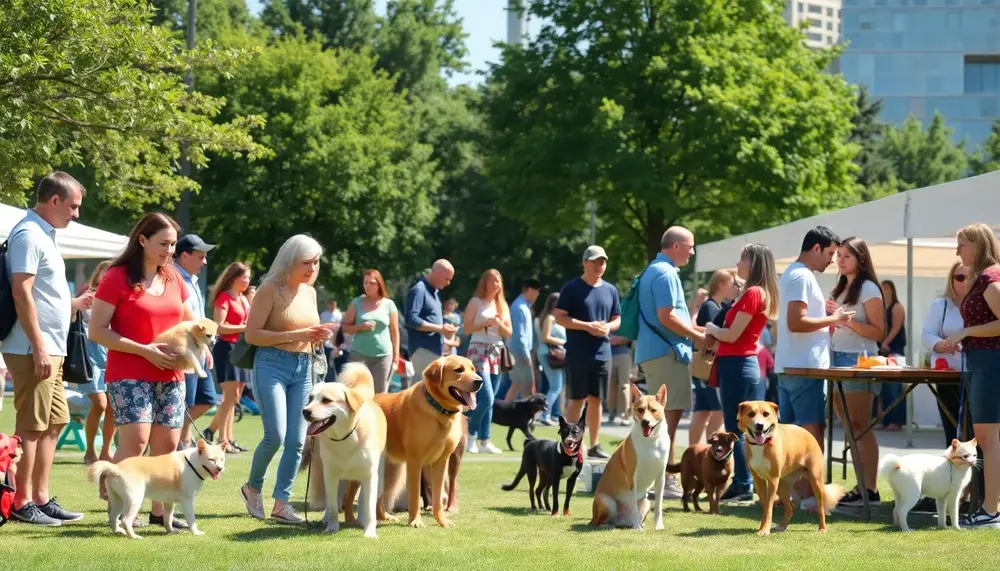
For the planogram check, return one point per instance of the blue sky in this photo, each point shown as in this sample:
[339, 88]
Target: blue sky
[485, 21]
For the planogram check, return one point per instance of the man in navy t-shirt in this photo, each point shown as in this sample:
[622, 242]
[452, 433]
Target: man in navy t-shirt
[588, 309]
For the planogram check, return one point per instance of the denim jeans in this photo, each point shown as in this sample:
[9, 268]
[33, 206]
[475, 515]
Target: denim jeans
[481, 419]
[281, 385]
[556, 378]
[739, 381]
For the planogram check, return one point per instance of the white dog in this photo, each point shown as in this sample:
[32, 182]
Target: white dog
[170, 478]
[350, 431]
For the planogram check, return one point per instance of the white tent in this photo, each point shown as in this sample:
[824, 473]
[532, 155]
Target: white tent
[912, 239]
[75, 242]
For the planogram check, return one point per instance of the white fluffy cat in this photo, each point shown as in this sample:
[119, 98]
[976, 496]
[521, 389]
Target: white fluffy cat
[940, 477]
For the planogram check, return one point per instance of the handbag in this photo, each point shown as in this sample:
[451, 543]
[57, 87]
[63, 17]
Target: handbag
[320, 367]
[557, 356]
[243, 353]
[506, 359]
[701, 364]
[77, 369]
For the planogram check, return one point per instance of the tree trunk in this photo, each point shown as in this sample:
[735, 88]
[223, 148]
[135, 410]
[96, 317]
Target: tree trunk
[655, 227]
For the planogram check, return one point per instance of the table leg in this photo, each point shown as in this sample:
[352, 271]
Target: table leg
[829, 432]
[859, 472]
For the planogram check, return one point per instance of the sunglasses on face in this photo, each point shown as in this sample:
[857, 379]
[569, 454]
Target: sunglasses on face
[959, 278]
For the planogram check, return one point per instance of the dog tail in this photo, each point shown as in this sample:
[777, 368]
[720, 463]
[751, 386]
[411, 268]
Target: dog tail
[520, 474]
[674, 468]
[98, 469]
[888, 465]
[831, 497]
[358, 377]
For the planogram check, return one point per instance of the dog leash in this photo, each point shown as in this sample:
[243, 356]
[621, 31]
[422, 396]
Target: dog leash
[193, 425]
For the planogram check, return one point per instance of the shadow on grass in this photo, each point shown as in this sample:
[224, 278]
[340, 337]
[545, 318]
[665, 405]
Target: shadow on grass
[281, 531]
[527, 511]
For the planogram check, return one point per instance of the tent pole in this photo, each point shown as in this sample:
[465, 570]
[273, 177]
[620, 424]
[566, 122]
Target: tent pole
[910, 337]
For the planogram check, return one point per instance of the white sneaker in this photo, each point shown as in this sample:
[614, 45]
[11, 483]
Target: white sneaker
[471, 447]
[671, 490]
[287, 515]
[489, 447]
[253, 501]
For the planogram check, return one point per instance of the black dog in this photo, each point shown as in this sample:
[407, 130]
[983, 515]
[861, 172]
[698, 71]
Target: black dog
[551, 461]
[519, 415]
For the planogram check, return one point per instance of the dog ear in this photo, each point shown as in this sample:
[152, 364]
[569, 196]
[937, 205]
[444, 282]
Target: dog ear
[636, 393]
[354, 400]
[661, 395]
[739, 416]
[223, 444]
[775, 409]
[562, 423]
[202, 445]
[733, 437]
[434, 373]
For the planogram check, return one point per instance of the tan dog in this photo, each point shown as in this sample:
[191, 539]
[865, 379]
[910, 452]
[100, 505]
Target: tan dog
[707, 467]
[349, 430]
[170, 478]
[190, 341]
[778, 455]
[639, 462]
[424, 428]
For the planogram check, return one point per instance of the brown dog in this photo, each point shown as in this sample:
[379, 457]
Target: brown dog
[190, 341]
[778, 455]
[424, 428]
[707, 467]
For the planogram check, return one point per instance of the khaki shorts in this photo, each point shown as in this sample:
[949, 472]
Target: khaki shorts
[676, 375]
[39, 403]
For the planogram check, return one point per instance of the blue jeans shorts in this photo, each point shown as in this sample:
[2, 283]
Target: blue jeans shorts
[801, 401]
[982, 373]
[706, 398]
[844, 359]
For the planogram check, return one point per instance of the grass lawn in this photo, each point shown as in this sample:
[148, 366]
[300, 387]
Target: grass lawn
[494, 530]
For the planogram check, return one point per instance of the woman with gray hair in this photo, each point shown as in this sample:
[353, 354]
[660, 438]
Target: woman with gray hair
[284, 326]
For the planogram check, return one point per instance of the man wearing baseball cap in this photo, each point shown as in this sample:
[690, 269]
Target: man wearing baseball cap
[588, 309]
[190, 257]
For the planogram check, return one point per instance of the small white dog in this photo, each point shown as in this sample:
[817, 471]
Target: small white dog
[349, 430]
[170, 478]
[940, 477]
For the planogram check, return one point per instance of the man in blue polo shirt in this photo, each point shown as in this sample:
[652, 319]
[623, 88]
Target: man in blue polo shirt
[190, 255]
[425, 326]
[666, 332]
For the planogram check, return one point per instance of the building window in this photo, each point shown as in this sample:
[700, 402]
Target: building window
[814, 9]
[829, 12]
[829, 26]
[815, 37]
[801, 7]
[815, 23]
[982, 74]
[829, 40]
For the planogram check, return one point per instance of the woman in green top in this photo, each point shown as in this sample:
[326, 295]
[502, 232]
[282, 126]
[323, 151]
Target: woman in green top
[373, 320]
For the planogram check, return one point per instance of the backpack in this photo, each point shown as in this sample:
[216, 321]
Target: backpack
[630, 314]
[8, 314]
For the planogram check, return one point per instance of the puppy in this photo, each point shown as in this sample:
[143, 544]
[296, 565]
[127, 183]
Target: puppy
[519, 415]
[349, 429]
[424, 427]
[170, 478]
[707, 467]
[778, 455]
[638, 463]
[191, 341]
[552, 461]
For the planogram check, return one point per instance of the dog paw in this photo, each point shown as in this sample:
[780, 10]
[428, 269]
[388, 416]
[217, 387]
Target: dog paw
[171, 530]
[389, 518]
[567, 513]
[659, 526]
[331, 529]
[444, 522]
[371, 534]
[417, 523]
[780, 529]
[822, 530]
[197, 532]
[555, 514]
[763, 532]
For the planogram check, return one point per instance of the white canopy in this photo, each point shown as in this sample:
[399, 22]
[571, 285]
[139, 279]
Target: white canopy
[75, 242]
[911, 236]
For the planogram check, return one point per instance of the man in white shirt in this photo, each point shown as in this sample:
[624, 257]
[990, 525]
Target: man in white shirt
[803, 336]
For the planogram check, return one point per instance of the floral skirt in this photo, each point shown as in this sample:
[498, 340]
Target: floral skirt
[485, 356]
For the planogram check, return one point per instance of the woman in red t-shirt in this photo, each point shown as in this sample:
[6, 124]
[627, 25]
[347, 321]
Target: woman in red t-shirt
[141, 296]
[736, 362]
[231, 309]
[980, 339]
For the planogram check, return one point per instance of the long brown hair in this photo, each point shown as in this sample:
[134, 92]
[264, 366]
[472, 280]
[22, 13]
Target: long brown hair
[383, 291]
[889, 287]
[550, 304]
[95, 277]
[865, 272]
[986, 246]
[719, 279]
[226, 279]
[763, 275]
[480, 292]
[131, 257]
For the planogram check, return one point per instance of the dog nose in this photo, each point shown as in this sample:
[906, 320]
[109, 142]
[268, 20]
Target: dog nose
[759, 427]
[307, 414]
[478, 383]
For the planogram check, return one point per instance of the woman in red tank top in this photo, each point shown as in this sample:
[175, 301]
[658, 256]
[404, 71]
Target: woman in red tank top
[980, 343]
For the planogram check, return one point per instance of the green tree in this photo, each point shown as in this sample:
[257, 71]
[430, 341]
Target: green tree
[988, 158]
[876, 174]
[706, 112]
[348, 167]
[924, 157]
[348, 24]
[420, 40]
[90, 83]
[215, 18]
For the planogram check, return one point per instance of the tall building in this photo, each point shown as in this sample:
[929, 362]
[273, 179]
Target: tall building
[822, 17]
[922, 56]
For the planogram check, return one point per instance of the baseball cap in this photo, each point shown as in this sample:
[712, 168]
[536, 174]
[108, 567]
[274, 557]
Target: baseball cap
[593, 253]
[190, 243]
